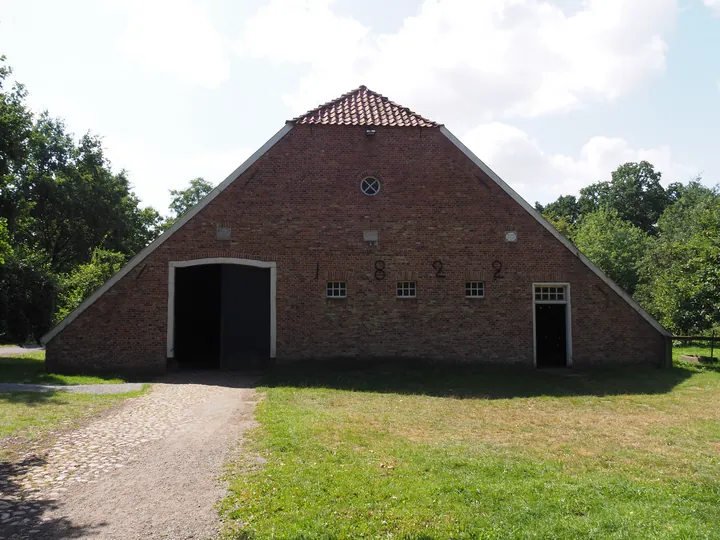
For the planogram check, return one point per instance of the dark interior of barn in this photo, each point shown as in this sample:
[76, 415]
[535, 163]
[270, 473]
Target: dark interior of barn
[550, 335]
[222, 316]
[198, 314]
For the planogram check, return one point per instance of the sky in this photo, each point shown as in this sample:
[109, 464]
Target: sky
[552, 94]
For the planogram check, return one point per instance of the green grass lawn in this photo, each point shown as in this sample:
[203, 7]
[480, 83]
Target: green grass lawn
[30, 368]
[431, 453]
[25, 416]
[698, 349]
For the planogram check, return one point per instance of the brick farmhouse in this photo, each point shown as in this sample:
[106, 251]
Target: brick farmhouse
[360, 230]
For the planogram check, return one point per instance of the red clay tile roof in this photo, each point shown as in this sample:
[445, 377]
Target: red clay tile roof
[363, 107]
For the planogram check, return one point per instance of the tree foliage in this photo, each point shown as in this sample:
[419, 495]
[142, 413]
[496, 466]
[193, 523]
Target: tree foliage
[613, 244]
[77, 285]
[27, 296]
[61, 205]
[634, 192]
[5, 247]
[661, 245]
[681, 270]
[184, 199]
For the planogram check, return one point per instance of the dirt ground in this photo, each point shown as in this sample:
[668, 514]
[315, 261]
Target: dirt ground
[150, 469]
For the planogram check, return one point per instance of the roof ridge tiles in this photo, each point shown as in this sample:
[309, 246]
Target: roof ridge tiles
[363, 107]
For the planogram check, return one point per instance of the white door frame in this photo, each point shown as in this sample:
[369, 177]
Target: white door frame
[172, 265]
[568, 319]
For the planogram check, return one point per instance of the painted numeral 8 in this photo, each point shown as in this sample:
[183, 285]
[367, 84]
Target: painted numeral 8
[379, 270]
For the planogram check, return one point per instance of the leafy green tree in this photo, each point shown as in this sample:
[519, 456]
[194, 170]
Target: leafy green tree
[15, 129]
[682, 219]
[184, 199]
[616, 246]
[563, 214]
[61, 205]
[5, 247]
[565, 209]
[634, 192]
[27, 296]
[74, 202]
[77, 285]
[564, 227]
[681, 270]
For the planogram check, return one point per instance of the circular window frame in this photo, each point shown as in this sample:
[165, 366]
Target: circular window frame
[366, 182]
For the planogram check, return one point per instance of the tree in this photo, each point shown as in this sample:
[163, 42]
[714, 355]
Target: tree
[563, 214]
[5, 247]
[184, 199]
[683, 217]
[634, 192]
[61, 206]
[15, 130]
[565, 208]
[682, 267]
[616, 246]
[27, 296]
[73, 203]
[77, 285]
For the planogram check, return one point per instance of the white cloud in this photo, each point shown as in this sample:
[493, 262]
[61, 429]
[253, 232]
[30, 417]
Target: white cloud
[153, 173]
[324, 37]
[542, 176]
[714, 5]
[490, 58]
[174, 36]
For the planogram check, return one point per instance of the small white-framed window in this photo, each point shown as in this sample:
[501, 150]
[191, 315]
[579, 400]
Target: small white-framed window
[474, 289]
[548, 293]
[336, 289]
[406, 289]
[370, 186]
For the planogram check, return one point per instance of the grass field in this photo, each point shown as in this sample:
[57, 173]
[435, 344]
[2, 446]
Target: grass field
[696, 349]
[429, 453]
[30, 368]
[26, 416]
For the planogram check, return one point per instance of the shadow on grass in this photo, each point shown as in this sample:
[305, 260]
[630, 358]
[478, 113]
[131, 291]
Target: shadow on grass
[485, 382]
[29, 370]
[22, 515]
[31, 398]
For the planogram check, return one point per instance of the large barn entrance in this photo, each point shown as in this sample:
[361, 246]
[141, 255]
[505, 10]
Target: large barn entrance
[552, 325]
[221, 314]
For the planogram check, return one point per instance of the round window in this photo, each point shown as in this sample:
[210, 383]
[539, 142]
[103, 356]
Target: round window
[370, 186]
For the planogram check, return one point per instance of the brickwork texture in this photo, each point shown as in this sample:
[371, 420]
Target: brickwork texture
[301, 206]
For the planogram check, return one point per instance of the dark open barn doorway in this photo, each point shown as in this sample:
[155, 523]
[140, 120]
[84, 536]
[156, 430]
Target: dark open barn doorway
[551, 335]
[222, 316]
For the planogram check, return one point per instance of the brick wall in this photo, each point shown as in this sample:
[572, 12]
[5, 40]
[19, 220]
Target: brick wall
[300, 205]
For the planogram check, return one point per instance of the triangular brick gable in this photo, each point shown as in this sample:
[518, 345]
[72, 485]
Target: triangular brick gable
[358, 107]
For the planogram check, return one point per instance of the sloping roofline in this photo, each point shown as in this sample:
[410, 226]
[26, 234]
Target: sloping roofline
[140, 257]
[269, 144]
[370, 108]
[567, 243]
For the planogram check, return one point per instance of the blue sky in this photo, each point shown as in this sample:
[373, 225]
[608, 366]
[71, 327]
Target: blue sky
[552, 94]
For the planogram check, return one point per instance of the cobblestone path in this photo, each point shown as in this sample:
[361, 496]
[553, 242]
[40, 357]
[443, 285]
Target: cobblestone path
[149, 469]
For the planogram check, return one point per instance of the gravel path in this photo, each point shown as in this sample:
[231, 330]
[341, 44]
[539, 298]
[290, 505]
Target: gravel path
[149, 469]
[14, 350]
[77, 388]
